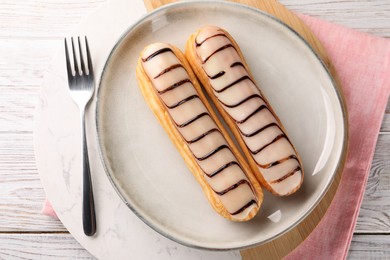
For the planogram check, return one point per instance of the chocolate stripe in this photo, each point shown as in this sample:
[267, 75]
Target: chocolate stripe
[192, 120]
[237, 63]
[234, 186]
[253, 113]
[242, 101]
[287, 175]
[175, 66]
[154, 54]
[219, 74]
[260, 130]
[183, 101]
[177, 84]
[244, 207]
[202, 135]
[218, 50]
[265, 146]
[224, 146]
[212, 36]
[222, 168]
[272, 164]
[232, 84]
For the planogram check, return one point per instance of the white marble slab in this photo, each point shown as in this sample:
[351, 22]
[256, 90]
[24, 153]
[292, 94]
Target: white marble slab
[120, 234]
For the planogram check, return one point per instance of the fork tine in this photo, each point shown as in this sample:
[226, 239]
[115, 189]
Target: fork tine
[84, 72]
[90, 69]
[68, 67]
[76, 66]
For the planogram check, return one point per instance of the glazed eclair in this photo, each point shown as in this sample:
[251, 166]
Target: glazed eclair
[219, 64]
[174, 95]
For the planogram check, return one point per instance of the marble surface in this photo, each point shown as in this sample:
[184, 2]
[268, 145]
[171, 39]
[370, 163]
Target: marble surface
[120, 233]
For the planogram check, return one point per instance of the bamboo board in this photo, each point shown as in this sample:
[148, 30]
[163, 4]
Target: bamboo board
[283, 245]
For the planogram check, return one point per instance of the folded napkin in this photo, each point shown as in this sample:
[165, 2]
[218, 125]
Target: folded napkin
[48, 209]
[362, 62]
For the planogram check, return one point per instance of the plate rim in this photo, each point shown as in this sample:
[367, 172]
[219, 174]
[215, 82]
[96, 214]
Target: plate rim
[333, 80]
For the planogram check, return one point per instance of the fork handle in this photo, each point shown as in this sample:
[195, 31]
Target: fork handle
[89, 218]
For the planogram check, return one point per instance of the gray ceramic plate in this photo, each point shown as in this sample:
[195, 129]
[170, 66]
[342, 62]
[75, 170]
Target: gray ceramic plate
[148, 172]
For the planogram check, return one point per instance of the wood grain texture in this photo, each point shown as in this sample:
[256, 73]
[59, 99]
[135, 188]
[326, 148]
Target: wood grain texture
[29, 33]
[356, 14]
[41, 246]
[369, 247]
[64, 246]
[23, 61]
[386, 120]
[374, 215]
[21, 190]
[54, 19]
[42, 19]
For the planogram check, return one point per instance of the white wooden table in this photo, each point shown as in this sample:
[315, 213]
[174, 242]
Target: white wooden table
[29, 33]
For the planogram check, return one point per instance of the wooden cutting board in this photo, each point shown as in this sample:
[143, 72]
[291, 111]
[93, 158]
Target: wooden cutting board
[283, 245]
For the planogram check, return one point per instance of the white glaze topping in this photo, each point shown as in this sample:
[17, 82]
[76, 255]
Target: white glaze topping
[209, 147]
[242, 100]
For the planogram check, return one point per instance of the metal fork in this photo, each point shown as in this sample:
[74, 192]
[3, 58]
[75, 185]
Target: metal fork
[82, 86]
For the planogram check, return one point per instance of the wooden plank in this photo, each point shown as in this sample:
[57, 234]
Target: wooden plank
[22, 67]
[21, 190]
[64, 246]
[386, 119]
[367, 16]
[23, 62]
[17, 106]
[41, 246]
[374, 214]
[369, 247]
[51, 18]
[43, 19]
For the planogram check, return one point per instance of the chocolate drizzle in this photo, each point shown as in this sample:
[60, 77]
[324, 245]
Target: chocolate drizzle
[219, 34]
[222, 168]
[216, 150]
[177, 84]
[203, 135]
[237, 63]
[154, 54]
[272, 164]
[298, 168]
[218, 50]
[232, 187]
[260, 130]
[219, 74]
[243, 101]
[197, 117]
[192, 120]
[277, 138]
[244, 207]
[182, 101]
[246, 77]
[175, 66]
[252, 114]
[262, 107]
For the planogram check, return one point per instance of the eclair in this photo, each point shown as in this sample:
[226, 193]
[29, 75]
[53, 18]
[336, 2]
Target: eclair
[173, 93]
[220, 67]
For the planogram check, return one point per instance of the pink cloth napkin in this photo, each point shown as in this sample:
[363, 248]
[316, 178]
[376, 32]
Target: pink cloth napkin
[362, 62]
[48, 209]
